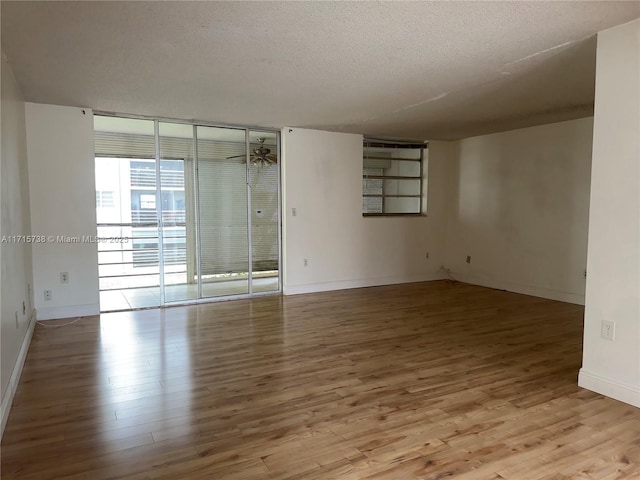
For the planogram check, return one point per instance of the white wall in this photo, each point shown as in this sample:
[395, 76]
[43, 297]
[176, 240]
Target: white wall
[613, 285]
[62, 187]
[15, 258]
[322, 180]
[519, 208]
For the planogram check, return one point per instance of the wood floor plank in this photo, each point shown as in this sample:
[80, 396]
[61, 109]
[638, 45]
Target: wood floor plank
[417, 381]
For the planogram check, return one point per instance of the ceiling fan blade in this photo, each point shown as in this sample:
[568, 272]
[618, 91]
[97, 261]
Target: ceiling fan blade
[235, 156]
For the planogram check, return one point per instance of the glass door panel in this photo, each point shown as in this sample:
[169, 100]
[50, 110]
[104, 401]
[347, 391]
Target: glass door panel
[222, 201]
[264, 189]
[126, 210]
[198, 214]
[178, 210]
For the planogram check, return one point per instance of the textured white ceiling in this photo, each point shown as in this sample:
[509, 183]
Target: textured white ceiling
[422, 70]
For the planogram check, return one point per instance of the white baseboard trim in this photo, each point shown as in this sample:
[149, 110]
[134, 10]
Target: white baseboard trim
[532, 290]
[359, 283]
[50, 313]
[611, 388]
[7, 400]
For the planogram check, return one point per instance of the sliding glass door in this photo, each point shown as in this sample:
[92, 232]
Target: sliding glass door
[199, 207]
[222, 196]
[126, 212]
[264, 211]
[177, 212]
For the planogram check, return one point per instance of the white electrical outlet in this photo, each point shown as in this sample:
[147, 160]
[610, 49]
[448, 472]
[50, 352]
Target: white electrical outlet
[48, 295]
[64, 277]
[608, 331]
[306, 262]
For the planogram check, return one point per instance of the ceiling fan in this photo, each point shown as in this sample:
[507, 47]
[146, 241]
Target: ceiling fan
[260, 156]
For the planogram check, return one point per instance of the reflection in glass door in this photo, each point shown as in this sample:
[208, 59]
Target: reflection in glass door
[202, 210]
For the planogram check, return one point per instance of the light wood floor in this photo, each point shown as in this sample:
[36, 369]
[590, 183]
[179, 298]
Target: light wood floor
[421, 381]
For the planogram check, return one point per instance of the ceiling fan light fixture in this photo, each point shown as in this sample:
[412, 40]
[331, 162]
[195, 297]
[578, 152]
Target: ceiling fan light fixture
[261, 156]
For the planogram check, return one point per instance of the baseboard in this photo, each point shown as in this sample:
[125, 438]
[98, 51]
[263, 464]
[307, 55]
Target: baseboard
[359, 283]
[532, 290]
[620, 391]
[7, 400]
[50, 313]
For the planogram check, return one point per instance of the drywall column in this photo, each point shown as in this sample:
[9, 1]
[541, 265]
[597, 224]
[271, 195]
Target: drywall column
[15, 253]
[321, 174]
[63, 209]
[612, 367]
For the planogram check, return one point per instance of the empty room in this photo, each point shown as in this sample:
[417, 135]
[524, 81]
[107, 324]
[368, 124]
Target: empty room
[320, 240]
